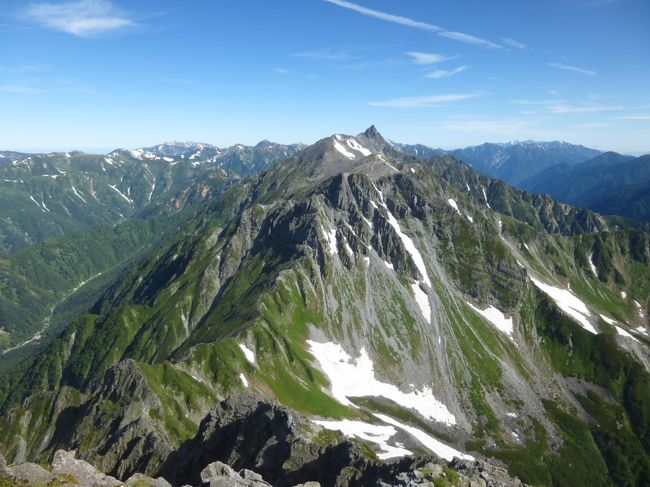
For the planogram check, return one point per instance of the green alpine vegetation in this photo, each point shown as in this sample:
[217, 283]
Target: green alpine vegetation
[412, 305]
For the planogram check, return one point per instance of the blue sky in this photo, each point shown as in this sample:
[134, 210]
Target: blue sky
[99, 74]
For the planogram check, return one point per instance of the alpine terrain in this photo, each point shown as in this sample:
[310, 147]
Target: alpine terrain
[350, 315]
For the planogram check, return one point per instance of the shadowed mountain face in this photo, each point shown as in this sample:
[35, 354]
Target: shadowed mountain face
[416, 306]
[612, 184]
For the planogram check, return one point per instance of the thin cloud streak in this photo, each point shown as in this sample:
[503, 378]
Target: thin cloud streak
[575, 69]
[81, 18]
[422, 101]
[513, 43]
[398, 19]
[633, 117]
[562, 108]
[427, 57]
[323, 55]
[443, 73]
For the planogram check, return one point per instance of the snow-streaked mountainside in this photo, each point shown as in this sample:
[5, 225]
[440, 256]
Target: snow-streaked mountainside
[49, 194]
[414, 305]
[513, 161]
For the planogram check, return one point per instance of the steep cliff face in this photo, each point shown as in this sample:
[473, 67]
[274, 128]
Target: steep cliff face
[416, 307]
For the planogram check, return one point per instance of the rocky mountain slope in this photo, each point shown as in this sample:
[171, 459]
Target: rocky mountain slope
[415, 306]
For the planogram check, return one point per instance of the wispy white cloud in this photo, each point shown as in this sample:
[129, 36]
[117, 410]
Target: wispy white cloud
[507, 41]
[20, 90]
[281, 71]
[575, 69]
[562, 108]
[396, 19]
[427, 57]
[444, 73]
[422, 101]
[323, 55]
[82, 18]
[416, 24]
[634, 117]
[469, 39]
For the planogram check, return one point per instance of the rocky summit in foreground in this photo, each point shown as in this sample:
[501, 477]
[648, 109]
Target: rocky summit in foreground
[249, 433]
[404, 308]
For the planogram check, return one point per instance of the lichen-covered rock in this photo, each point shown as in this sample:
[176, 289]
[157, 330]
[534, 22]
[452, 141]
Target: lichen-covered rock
[65, 463]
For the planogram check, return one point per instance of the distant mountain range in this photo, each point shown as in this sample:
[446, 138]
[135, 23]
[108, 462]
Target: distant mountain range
[513, 161]
[611, 183]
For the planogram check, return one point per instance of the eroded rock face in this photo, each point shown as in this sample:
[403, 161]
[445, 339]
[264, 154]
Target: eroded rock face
[65, 464]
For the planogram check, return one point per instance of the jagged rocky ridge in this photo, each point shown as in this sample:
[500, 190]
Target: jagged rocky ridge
[470, 331]
[246, 432]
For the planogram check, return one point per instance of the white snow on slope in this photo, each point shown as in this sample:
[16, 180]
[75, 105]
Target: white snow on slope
[436, 446]
[422, 299]
[368, 222]
[591, 264]
[114, 188]
[74, 190]
[343, 150]
[356, 378]
[608, 320]
[496, 317]
[153, 188]
[410, 247]
[470, 218]
[623, 294]
[378, 434]
[358, 147]
[248, 353]
[567, 302]
[485, 198]
[454, 205]
[639, 309]
[624, 333]
[642, 330]
[330, 235]
[242, 377]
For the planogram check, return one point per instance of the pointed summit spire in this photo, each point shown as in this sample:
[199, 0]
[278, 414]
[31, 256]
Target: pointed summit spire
[372, 133]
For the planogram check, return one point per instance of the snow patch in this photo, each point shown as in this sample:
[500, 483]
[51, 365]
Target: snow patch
[639, 309]
[436, 446]
[343, 150]
[409, 245]
[608, 320]
[330, 235]
[352, 143]
[485, 198]
[356, 378]
[248, 353]
[378, 434]
[567, 302]
[620, 331]
[497, 318]
[623, 294]
[114, 188]
[242, 377]
[591, 264]
[454, 205]
[422, 299]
